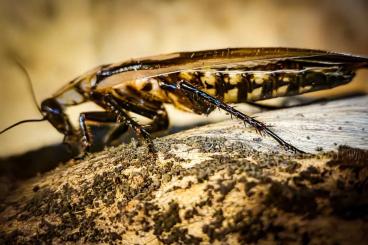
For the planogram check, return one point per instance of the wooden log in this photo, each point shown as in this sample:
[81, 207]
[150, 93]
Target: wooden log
[221, 183]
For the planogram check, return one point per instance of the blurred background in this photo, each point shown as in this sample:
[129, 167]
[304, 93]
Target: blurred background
[59, 40]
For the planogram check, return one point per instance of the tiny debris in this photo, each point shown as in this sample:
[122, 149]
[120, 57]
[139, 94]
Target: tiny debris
[165, 221]
[248, 186]
[258, 139]
[190, 213]
[319, 148]
[282, 195]
[224, 189]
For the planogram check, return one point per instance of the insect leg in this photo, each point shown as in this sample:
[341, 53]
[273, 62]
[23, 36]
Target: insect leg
[151, 109]
[259, 126]
[96, 117]
[115, 134]
[113, 106]
[159, 122]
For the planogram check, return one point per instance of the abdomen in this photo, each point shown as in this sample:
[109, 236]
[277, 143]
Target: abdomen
[254, 86]
[242, 85]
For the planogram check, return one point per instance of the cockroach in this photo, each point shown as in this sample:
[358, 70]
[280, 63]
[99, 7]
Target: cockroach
[197, 82]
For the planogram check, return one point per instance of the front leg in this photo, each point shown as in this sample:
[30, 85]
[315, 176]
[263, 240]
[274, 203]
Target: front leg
[88, 118]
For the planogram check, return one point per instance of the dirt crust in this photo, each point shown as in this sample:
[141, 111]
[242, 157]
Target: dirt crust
[233, 194]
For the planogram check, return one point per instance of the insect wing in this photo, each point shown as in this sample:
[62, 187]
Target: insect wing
[210, 59]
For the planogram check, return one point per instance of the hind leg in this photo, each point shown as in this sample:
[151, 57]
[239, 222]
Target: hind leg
[192, 91]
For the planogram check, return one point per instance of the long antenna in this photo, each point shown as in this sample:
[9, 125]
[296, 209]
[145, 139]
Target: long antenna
[20, 122]
[29, 82]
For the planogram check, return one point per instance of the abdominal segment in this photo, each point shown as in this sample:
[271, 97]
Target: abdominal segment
[243, 86]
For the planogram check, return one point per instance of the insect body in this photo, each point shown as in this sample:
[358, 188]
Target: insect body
[197, 82]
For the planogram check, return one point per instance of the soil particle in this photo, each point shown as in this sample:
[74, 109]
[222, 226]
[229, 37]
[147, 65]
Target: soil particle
[290, 167]
[213, 229]
[311, 174]
[319, 148]
[164, 221]
[225, 188]
[248, 186]
[36, 188]
[181, 236]
[190, 213]
[282, 195]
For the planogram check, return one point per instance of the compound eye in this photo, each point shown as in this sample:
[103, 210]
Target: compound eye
[53, 112]
[50, 106]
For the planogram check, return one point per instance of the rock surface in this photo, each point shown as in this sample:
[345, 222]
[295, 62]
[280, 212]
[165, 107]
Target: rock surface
[221, 183]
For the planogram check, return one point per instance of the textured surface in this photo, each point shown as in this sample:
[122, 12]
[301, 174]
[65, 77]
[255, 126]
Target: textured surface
[218, 183]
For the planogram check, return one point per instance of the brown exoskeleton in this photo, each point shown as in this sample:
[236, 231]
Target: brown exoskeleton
[197, 82]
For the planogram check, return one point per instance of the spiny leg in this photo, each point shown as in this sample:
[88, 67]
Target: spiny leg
[259, 126]
[159, 122]
[112, 105]
[150, 109]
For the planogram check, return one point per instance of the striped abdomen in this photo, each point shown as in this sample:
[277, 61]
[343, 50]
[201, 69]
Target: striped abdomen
[234, 86]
